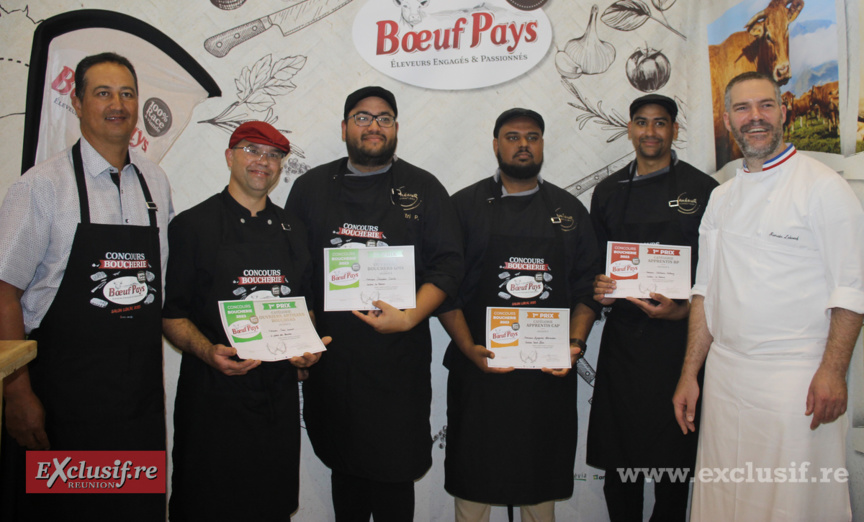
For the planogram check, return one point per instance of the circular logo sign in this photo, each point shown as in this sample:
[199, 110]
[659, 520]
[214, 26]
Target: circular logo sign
[527, 5]
[157, 117]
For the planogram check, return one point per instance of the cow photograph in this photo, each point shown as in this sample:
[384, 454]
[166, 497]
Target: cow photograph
[795, 42]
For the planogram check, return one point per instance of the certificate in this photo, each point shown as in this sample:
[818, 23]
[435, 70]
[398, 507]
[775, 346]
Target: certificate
[354, 277]
[528, 338]
[270, 329]
[639, 269]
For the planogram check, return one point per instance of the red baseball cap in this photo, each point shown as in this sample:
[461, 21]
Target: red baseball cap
[260, 133]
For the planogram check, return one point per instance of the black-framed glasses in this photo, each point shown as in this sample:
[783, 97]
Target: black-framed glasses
[276, 155]
[364, 119]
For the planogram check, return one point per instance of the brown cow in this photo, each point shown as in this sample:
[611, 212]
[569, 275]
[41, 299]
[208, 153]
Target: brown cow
[801, 108]
[763, 47]
[825, 100]
[788, 99]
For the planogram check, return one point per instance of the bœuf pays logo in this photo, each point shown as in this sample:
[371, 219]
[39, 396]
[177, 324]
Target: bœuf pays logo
[95, 472]
[444, 45]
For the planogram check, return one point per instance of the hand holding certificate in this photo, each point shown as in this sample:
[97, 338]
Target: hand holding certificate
[270, 329]
[641, 269]
[528, 338]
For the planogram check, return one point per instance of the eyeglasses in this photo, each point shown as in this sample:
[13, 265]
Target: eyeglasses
[277, 155]
[364, 119]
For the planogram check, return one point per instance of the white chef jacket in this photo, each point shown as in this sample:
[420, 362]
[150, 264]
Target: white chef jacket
[778, 249]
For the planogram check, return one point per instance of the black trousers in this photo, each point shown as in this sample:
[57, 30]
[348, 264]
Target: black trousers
[624, 499]
[356, 499]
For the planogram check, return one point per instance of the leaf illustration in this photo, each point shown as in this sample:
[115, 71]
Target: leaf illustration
[261, 72]
[279, 90]
[260, 101]
[611, 121]
[626, 15]
[244, 86]
[286, 68]
[662, 5]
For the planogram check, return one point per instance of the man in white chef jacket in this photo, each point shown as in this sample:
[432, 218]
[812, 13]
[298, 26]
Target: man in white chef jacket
[776, 310]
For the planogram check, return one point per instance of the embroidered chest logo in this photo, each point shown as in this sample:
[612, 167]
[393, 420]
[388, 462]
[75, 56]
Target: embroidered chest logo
[567, 222]
[684, 204]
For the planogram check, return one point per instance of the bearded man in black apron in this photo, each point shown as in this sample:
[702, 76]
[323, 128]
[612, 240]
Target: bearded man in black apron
[654, 199]
[236, 422]
[367, 403]
[511, 434]
[82, 252]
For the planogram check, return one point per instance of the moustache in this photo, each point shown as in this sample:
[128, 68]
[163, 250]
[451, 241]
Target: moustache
[758, 123]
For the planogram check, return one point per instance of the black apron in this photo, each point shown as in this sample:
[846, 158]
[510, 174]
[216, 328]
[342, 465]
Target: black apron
[511, 438]
[98, 371]
[238, 435]
[632, 422]
[367, 401]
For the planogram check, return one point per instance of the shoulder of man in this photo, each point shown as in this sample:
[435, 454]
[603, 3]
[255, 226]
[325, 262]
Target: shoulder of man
[199, 215]
[695, 174]
[563, 198]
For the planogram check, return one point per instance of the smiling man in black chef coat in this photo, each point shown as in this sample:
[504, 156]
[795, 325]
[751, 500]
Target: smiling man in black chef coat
[367, 402]
[654, 199]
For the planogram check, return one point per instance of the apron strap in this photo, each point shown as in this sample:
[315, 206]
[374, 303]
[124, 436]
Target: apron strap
[83, 201]
[148, 199]
[78, 164]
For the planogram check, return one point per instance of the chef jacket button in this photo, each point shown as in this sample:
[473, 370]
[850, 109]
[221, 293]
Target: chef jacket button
[242, 220]
[269, 221]
[127, 220]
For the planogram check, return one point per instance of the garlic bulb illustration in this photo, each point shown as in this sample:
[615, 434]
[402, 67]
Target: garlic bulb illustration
[587, 54]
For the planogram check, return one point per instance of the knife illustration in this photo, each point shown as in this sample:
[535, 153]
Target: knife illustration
[289, 20]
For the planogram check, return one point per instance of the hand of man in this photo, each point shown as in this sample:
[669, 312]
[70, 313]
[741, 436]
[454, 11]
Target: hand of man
[308, 359]
[25, 421]
[387, 319]
[603, 285]
[664, 309]
[684, 400]
[219, 357]
[575, 355]
[826, 398]
[479, 356]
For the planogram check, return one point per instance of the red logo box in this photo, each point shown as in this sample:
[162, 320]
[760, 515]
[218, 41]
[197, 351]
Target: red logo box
[96, 471]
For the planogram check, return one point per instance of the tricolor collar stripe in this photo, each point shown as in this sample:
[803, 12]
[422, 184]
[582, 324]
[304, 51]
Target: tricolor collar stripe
[777, 160]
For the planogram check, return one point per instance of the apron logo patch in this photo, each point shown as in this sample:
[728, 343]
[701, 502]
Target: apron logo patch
[96, 471]
[123, 279]
[686, 205]
[406, 200]
[567, 222]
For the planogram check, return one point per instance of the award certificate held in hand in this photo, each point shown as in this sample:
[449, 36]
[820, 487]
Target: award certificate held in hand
[639, 269]
[270, 329]
[528, 338]
[355, 277]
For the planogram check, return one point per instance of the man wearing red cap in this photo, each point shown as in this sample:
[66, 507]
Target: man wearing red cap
[367, 403]
[236, 422]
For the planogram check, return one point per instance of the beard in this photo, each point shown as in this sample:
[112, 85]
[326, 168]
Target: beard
[362, 157]
[754, 151]
[520, 172]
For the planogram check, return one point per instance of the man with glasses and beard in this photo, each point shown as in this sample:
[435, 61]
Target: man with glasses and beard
[656, 198]
[367, 402]
[511, 434]
[775, 312]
